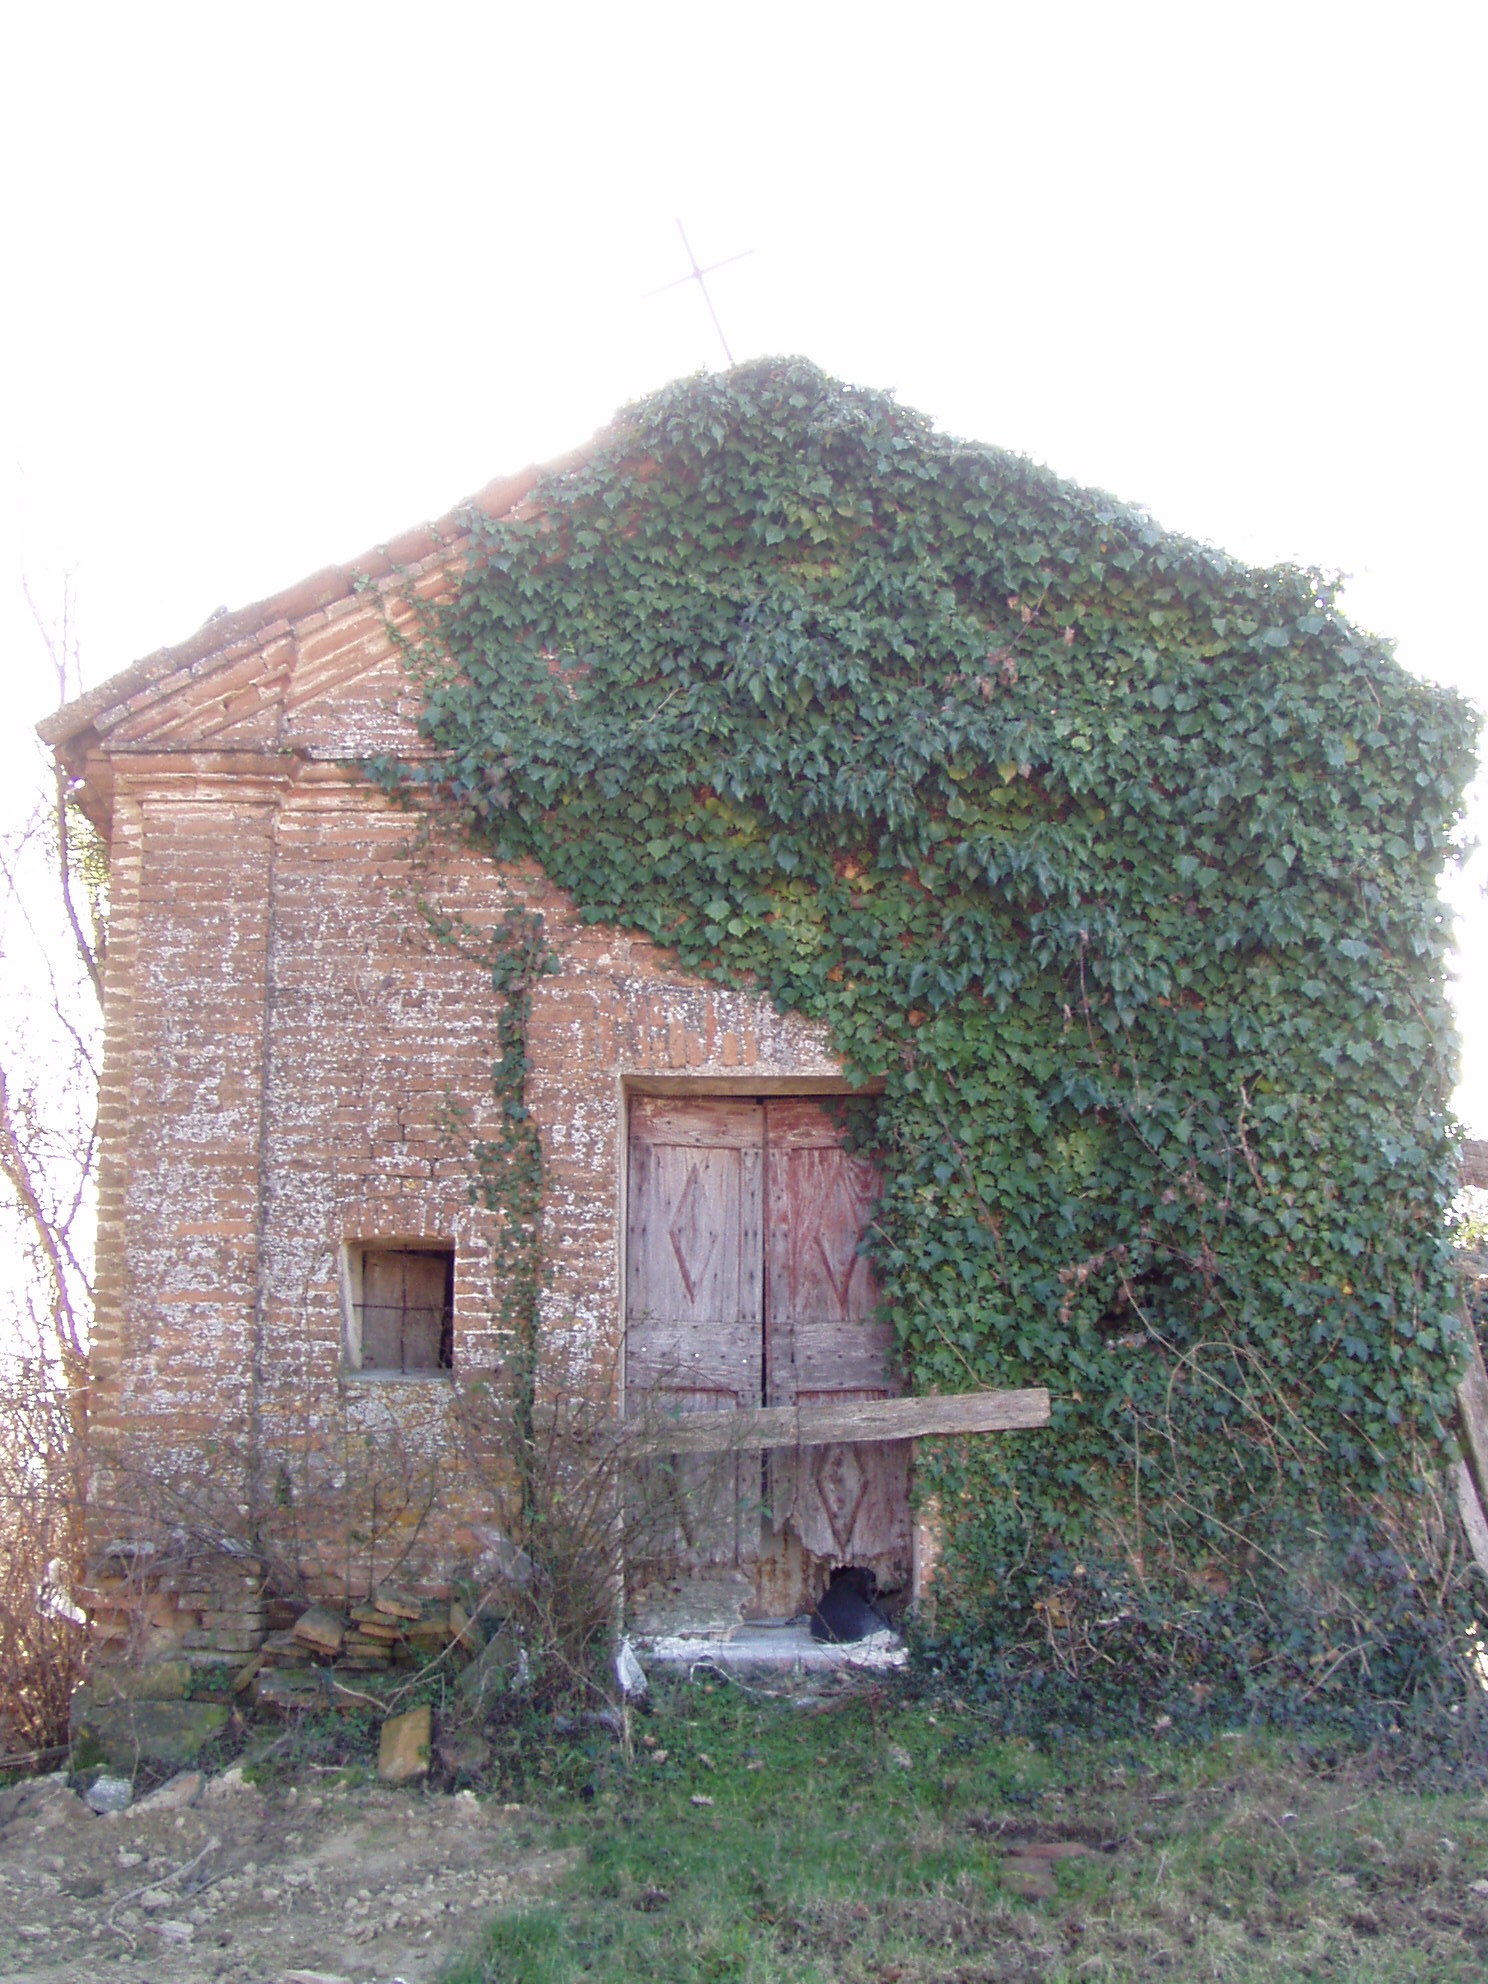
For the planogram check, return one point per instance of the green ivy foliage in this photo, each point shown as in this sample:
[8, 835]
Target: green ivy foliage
[1114, 860]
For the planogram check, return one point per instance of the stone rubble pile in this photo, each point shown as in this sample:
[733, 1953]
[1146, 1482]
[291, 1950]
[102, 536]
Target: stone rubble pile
[297, 1664]
[163, 1711]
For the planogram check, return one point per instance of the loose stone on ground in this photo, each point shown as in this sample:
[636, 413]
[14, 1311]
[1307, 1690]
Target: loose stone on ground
[403, 1751]
[228, 1882]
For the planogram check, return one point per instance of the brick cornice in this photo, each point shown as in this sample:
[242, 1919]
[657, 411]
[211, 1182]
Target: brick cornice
[236, 772]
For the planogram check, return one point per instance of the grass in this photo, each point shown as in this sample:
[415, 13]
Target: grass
[865, 1839]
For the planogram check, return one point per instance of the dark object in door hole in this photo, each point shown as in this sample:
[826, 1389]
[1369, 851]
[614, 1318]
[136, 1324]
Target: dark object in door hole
[846, 1610]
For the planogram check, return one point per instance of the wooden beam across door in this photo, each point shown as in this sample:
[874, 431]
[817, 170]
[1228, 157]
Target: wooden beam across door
[761, 1428]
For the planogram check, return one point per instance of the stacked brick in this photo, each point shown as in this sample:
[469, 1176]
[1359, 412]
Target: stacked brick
[295, 1663]
[211, 1610]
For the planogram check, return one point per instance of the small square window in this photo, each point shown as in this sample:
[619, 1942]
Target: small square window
[400, 1309]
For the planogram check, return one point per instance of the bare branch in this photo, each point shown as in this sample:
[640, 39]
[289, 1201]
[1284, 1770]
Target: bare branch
[15, 1167]
[64, 667]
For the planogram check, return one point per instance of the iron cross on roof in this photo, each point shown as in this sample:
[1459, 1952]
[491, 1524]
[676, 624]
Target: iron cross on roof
[697, 276]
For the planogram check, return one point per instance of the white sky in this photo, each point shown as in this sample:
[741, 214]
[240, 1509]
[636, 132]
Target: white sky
[283, 280]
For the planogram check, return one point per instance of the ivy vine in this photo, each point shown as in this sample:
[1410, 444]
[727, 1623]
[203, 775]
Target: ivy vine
[507, 1177]
[1114, 860]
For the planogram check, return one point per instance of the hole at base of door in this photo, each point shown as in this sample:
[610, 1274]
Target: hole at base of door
[846, 1610]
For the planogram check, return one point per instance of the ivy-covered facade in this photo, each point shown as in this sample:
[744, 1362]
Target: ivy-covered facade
[1110, 861]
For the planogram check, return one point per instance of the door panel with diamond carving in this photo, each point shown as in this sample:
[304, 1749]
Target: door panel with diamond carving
[694, 1298]
[744, 1286]
[849, 1503]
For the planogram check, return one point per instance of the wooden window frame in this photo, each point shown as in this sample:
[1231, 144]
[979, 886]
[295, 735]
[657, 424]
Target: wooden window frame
[354, 1254]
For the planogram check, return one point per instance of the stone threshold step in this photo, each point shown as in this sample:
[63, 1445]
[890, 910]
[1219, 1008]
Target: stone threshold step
[780, 1647]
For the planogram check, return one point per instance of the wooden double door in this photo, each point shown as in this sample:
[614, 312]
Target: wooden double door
[745, 1286]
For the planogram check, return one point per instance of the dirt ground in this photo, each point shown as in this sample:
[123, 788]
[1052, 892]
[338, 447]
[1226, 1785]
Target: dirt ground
[294, 1886]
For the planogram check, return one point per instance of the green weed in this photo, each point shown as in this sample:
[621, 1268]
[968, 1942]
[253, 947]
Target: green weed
[867, 1840]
